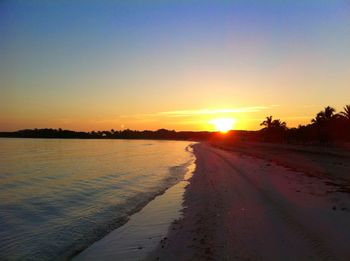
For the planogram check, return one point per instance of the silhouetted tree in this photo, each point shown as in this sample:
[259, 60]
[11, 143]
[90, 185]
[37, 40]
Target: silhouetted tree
[346, 113]
[324, 116]
[270, 124]
[279, 124]
[267, 123]
[274, 130]
[326, 124]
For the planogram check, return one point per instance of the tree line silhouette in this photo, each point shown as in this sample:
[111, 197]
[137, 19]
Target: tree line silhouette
[161, 134]
[327, 126]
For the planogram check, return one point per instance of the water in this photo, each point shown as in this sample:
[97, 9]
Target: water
[59, 196]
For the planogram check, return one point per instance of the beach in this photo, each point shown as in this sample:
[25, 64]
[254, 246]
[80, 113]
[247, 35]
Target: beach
[249, 202]
[239, 206]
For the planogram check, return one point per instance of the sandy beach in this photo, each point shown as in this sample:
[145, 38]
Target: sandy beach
[248, 206]
[248, 202]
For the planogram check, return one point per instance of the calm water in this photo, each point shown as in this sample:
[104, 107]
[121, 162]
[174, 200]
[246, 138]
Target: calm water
[59, 196]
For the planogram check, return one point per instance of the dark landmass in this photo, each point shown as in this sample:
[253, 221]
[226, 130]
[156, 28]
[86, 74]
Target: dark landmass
[326, 128]
[161, 134]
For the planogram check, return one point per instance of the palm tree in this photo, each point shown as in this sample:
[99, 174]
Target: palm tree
[273, 124]
[325, 115]
[346, 113]
[267, 122]
[329, 112]
[279, 124]
[320, 117]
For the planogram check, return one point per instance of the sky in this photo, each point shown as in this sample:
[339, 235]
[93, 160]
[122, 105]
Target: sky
[97, 65]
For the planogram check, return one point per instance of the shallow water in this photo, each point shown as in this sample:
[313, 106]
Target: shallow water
[59, 196]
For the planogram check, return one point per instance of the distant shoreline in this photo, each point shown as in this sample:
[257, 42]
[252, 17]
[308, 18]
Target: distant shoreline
[161, 134]
[322, 131]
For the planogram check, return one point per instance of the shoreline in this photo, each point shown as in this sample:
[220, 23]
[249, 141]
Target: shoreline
[235, 206]
[145, 228]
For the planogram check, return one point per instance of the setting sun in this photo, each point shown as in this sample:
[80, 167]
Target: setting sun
[223, 125]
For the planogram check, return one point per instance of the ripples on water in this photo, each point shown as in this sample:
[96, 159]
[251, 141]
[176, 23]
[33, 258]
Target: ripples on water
[59, 196]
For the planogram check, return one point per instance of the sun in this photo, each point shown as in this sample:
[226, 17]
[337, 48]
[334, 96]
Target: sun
[223, 125]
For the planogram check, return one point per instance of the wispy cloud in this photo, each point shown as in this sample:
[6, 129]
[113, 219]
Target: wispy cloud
[185, 113]
[188, 114]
